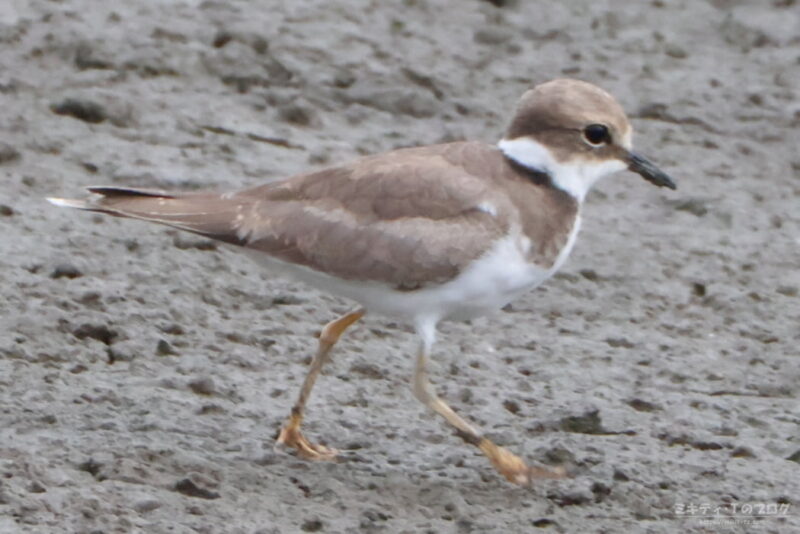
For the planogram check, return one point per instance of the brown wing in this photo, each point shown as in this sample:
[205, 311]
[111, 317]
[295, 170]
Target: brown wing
[406, 218]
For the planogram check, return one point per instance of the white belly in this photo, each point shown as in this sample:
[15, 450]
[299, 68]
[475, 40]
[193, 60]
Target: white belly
[486, 285]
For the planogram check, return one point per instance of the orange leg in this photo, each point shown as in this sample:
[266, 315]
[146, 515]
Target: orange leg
[290, 435]
[507, 463]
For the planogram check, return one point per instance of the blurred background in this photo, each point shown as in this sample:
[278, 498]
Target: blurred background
[144, 373]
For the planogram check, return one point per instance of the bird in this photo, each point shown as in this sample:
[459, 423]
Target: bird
[422, 235]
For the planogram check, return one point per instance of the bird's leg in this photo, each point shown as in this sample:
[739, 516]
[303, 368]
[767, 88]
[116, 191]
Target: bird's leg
[508, 464]
[290, 435]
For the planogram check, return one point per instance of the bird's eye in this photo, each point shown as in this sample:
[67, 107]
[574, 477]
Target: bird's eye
[597, 134]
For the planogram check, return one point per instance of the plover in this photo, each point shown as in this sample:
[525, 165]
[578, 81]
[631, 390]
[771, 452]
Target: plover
[427, 234]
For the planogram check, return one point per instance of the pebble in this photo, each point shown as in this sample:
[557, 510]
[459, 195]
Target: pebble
[85, 110]
[100, 332]
[202, 385]
[311, 525]
[618, 342]
[66, 270]
[298, 115]
[8, 153]
[367, 370]
[190, 489]
[184, 242]
[146, 505]
[87, 57]
[642, 405]
[163, 348]
[588, 423]
[492, 36]
[676, 51]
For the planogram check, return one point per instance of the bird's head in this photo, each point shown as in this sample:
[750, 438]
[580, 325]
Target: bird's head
[577, 133]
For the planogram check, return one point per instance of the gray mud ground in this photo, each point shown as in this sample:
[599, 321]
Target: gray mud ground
[144, 373]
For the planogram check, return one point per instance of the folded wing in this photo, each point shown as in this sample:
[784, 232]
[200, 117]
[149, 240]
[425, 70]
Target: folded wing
[407, 218]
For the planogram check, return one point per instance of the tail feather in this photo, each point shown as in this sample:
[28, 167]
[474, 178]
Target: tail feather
[109, 191]
[69, 203]
[208, 214]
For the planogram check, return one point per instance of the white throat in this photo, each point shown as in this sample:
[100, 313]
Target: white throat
[576, 178]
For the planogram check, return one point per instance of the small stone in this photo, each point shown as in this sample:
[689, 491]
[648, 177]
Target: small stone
[794, 457]
[81, 109]
[8, 153]
[222, 38]
[207, 409]
[742, 452]
[87, 58]
[163, 348]
[185, 242]
[588, 423]
[695, 206]
[100, 332]
[146, 505]
[297, 115]
[284, 300]
[492, 36]
[511, 406]
[424, 81]
[190, 489]
[620, 476]
[642, 405]
[788, 291]
[343, 78]
[600, 491]
[698, 289]
[90, 298]
[318, 157]
[618, 342]
[676, 51]
[202, 386]
[173, 329]
[654, 110]
[311, 525]
[502, 3]
[48, 419]
[260, 45]
[6, 211]
[121, 354]
[571, 496]
[559, 456]
[90, 167]
[66, 270]
[367, 370]
[91, 466]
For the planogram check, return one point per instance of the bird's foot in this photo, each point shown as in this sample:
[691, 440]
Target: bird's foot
[514, 468]
[291, 437]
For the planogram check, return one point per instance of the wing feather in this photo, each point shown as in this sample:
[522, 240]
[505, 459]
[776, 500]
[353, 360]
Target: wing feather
[407, 218]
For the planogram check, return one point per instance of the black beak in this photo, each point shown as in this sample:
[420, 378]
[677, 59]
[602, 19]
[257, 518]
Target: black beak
[644, 167]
